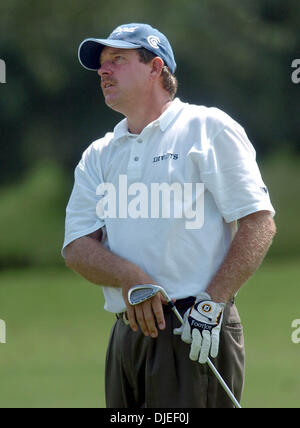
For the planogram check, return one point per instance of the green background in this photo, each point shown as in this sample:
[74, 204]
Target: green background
[231, 54]
[57, 333]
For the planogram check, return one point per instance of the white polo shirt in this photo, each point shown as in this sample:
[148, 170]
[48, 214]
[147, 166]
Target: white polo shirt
[209, 169]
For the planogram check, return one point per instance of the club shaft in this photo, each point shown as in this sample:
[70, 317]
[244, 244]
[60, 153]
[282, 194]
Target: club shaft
[213, 368]
[224, 384]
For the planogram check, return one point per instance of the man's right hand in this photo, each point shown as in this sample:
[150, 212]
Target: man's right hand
[92, 260]
[147, 315]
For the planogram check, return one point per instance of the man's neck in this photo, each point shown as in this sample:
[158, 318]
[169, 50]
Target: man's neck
[143, 116]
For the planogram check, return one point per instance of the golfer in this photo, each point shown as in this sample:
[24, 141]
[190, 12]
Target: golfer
[172, 196]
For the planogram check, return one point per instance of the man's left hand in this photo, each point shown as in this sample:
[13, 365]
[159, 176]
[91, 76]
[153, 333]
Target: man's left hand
[201, 329]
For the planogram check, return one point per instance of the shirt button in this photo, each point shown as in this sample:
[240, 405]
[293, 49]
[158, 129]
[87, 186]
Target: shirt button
[136, 158]
[139, 140]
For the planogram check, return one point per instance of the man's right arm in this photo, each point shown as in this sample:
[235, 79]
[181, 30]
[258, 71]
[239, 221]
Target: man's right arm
[88, 257]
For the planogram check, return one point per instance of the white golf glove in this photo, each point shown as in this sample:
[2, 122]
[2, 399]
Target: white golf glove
[201, 328]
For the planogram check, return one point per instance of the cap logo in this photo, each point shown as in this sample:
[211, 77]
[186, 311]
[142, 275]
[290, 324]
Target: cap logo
[153, 41]
[120, 30]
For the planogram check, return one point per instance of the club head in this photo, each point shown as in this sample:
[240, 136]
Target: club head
[141, 293]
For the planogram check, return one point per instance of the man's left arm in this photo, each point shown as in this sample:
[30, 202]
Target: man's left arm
[202, 323]
[248, 249]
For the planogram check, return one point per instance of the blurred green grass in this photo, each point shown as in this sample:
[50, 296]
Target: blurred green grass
[57, 334]
[268, 304]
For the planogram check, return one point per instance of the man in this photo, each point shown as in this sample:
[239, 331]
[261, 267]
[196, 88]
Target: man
[122, 232]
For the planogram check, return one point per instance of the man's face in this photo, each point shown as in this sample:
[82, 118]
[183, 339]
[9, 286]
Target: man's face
[124, 79]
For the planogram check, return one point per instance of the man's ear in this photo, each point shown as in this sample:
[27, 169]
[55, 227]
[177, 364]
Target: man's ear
[157, 65]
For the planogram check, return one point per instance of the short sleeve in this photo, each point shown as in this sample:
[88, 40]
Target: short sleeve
[230, 172]
[81, 217]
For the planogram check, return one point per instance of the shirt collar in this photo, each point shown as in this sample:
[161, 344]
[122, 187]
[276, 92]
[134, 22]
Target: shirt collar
[165, 119]
[121, 129]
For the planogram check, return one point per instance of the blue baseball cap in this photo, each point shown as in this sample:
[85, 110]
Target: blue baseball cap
[127, 36]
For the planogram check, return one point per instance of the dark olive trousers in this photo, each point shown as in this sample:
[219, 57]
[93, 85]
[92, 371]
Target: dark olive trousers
[157, 373]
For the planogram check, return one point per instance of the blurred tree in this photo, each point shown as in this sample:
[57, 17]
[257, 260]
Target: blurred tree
[232, 54]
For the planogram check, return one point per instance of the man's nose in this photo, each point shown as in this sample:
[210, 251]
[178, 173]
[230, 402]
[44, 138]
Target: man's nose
[104, 69]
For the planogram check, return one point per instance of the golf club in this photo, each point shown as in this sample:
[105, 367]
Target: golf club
[141, 293]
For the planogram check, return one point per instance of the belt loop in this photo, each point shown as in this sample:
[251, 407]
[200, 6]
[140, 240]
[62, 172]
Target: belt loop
[122, 316]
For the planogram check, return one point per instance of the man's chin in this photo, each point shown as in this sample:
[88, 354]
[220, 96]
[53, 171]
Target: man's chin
[113, 104]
